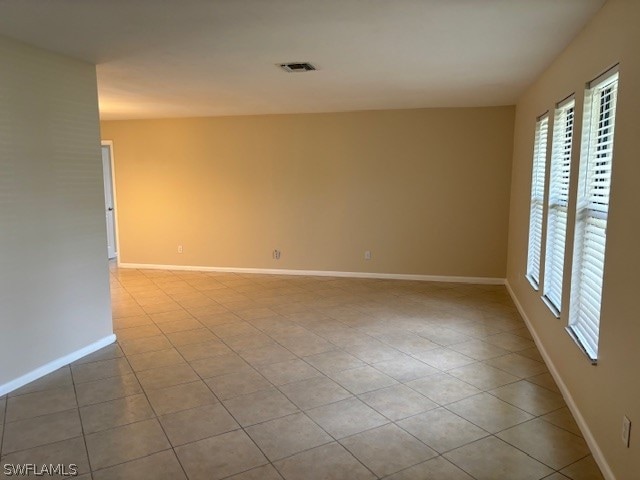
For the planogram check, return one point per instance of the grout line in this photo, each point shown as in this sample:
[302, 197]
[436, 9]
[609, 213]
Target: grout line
[156, 416]
[130, 461]
[316, 307]
[495, 435]
[223, 406]
[84, 437]
[301, 411]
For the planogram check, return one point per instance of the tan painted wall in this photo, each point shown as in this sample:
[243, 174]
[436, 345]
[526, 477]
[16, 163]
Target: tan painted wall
[54, 280]
[427, 191]
[603, 393]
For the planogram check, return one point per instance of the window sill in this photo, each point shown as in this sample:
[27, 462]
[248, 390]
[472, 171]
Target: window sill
[594, 361]
[551, 306]
[533, 282]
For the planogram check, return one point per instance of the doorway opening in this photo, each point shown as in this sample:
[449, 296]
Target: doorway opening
[109, 199]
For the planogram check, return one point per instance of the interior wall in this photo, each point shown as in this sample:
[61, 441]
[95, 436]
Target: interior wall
[606, 392]
[54, 280]
[426, 191]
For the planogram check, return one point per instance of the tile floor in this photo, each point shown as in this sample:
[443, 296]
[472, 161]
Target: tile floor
[268, 377]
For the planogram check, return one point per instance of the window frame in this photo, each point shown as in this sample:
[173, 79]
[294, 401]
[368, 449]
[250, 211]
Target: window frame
[537, 200]
[596, 163]
[558, 195]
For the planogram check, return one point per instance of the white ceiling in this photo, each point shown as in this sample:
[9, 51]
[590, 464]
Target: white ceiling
[176, 58]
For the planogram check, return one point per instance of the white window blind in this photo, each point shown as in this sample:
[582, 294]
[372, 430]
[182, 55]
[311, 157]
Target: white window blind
[537, 199]
[592, 211]
[558, 203]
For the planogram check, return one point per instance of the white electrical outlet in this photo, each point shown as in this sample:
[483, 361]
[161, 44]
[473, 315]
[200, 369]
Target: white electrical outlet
[367, 255]
[180, 249]
[276, 254]
[626, 431]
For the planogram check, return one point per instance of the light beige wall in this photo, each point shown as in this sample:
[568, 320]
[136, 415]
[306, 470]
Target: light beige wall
[602, 393]
[54, 282]
[426, 191]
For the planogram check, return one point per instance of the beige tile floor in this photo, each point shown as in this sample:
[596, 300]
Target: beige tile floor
[268, 377]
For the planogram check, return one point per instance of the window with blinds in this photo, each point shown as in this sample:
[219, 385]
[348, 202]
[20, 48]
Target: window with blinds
[537, 200]
[558, 203]
[592, 211]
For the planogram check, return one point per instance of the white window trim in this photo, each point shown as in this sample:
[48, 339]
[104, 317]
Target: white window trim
[536, 207]
[591, 216]
[558, 203]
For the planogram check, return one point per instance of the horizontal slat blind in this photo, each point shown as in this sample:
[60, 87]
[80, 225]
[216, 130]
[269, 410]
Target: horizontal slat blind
[592, 212]
[558, 203]
[537, 199]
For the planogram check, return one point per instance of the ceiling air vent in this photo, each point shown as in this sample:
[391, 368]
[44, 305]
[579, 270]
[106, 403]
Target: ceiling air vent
[297, 67]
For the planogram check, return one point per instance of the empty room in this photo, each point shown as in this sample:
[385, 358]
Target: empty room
[319, 240]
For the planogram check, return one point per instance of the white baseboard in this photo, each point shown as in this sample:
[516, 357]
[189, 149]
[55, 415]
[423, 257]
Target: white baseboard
[568, 398]
[320, 273]
[55, 365]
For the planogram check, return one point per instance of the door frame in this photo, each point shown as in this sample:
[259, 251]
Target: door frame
[109, 143]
